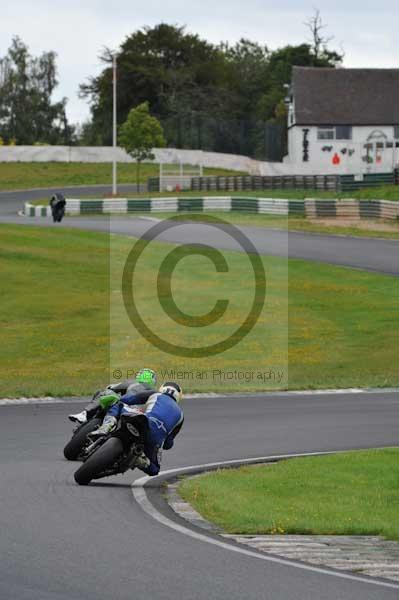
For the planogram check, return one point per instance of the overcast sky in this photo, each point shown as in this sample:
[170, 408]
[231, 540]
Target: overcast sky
[78, 29]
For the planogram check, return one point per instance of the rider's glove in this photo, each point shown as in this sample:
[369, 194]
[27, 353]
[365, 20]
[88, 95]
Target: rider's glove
[108, 398]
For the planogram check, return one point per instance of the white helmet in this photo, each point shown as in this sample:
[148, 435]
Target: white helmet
[172, 389]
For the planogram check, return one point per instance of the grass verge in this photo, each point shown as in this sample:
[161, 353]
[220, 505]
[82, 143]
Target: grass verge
[91, 173]
[54, 317]
[21, 175]
[355, 493]
[56, 312]
[364, 228]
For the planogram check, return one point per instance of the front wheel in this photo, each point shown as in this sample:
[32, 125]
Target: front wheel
[76, 444]
[100, 461]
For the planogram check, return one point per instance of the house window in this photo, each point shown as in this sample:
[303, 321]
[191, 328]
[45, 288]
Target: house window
[326, 133]
[396, 132]
[341, 132]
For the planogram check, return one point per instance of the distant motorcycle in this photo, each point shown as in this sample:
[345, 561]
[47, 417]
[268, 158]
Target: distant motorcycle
[118, 452]
[58, 204]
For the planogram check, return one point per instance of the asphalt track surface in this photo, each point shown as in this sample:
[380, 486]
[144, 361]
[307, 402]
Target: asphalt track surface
[379, 255]
[59, 541]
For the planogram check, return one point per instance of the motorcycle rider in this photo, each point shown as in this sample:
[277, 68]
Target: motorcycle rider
[164, 416]
[58, 204]
[143, 386]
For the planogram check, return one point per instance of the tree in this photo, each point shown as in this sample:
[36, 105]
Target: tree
[139, 134]
[174, 71]
[27, 113]
[319, 43]
[249, 74]
[205, 96]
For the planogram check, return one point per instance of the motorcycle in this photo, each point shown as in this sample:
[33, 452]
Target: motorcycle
[118, 452]
[58, 204]
[78, 445]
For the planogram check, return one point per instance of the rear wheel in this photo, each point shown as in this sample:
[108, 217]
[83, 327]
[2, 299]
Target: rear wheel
[75, 446]
[100, 461]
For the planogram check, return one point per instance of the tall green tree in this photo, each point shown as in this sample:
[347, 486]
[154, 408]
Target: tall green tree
[172, 70]
[139, 134]
[27, 112]
[227, 98]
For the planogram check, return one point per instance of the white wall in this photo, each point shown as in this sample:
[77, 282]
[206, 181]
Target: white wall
[322, 161]
[319, 162]
[167, 155]
[105, 154]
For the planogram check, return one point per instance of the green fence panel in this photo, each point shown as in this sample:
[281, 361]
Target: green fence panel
[244, 204]
[142, 205]
[153, 184]
[190, 204]
[91, 206]
[349, 183]
[296, 207]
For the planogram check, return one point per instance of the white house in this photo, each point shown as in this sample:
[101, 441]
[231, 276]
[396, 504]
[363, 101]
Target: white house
[343, 120]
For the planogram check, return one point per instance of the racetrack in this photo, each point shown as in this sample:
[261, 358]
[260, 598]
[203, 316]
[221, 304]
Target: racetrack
[60, 541]
[379, 255]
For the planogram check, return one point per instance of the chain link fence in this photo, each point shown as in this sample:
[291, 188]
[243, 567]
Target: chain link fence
[257, 139]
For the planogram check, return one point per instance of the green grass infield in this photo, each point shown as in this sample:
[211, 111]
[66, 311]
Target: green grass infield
[325, 326]
[354, 493]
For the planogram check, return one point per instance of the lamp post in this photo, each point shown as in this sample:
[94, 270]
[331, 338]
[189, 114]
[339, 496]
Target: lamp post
[114, 137]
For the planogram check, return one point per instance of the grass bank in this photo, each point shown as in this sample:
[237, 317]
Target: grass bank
[354, 493]
[21, 175]
[56, 308]
[362, 228]
[389, 192]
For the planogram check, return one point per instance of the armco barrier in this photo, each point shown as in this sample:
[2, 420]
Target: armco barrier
[309, 208]
[200, 204]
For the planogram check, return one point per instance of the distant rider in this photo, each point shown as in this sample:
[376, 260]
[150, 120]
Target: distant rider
[143, 386]
[165, 419]
[58, 204]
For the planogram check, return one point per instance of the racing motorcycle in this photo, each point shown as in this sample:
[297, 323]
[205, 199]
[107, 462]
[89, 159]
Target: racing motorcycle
[118, 452]
[80, 446]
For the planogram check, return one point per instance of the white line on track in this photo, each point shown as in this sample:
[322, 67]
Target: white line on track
[140, 495]
[73, 399]
[23, 401]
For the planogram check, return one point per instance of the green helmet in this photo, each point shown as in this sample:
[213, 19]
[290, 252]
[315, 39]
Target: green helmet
[146, 376]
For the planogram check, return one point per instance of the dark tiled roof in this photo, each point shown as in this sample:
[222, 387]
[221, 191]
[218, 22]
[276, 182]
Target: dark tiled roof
[346, 96]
